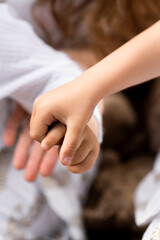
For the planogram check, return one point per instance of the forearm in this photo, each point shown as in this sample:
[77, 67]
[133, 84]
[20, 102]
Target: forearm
[135, 62]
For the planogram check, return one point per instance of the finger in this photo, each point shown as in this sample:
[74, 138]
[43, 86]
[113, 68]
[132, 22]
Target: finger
[49, 162]
[40, 121]
[34, 161]
[22, 149]
[84, 166]
[13, 124]
[70, 143]
[81, 153]
[54, 136]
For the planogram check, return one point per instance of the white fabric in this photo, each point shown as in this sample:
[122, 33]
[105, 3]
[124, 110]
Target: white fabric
[23, 208]
[153, 230]
[28, 67]
[147, 200]
[19, 7]
[147, 204]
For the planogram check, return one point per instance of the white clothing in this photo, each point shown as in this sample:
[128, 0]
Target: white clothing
[28, 68]
[147, 201]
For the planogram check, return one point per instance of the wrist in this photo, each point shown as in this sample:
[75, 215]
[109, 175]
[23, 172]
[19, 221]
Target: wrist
[91, 88]
[129, 65]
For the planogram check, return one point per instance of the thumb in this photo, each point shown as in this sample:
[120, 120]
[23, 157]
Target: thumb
[70, 143]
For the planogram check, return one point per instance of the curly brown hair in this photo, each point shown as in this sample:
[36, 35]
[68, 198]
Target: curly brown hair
[100, 25]
[69, 20]
[112, 23]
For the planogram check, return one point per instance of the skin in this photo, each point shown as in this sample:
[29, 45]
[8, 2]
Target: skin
[73, 104]
[22, 158]
[28, 152]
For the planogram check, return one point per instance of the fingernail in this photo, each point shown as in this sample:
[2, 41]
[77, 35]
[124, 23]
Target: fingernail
[67, 160]
[44, 146]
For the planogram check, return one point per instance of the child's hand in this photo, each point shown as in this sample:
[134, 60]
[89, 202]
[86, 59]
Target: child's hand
[70, 104]
[87, 150]
[29, 155]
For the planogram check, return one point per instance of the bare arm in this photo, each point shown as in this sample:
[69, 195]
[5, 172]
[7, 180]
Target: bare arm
[72, 104]
[135, 62]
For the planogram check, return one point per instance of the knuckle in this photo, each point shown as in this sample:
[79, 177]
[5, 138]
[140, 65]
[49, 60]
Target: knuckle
[73, 144]
[36, 103]
[39, 106]
[70, 149]
[50, 141]
[41, 109]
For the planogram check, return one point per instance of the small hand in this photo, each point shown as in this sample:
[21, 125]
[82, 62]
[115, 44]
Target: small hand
[68, 105]
[87, 150]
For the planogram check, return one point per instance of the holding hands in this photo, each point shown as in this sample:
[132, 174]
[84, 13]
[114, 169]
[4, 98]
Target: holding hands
[29, 154]
[73, 104]
[68, 105]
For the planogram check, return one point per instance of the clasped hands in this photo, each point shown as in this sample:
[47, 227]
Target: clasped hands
[30, 155]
